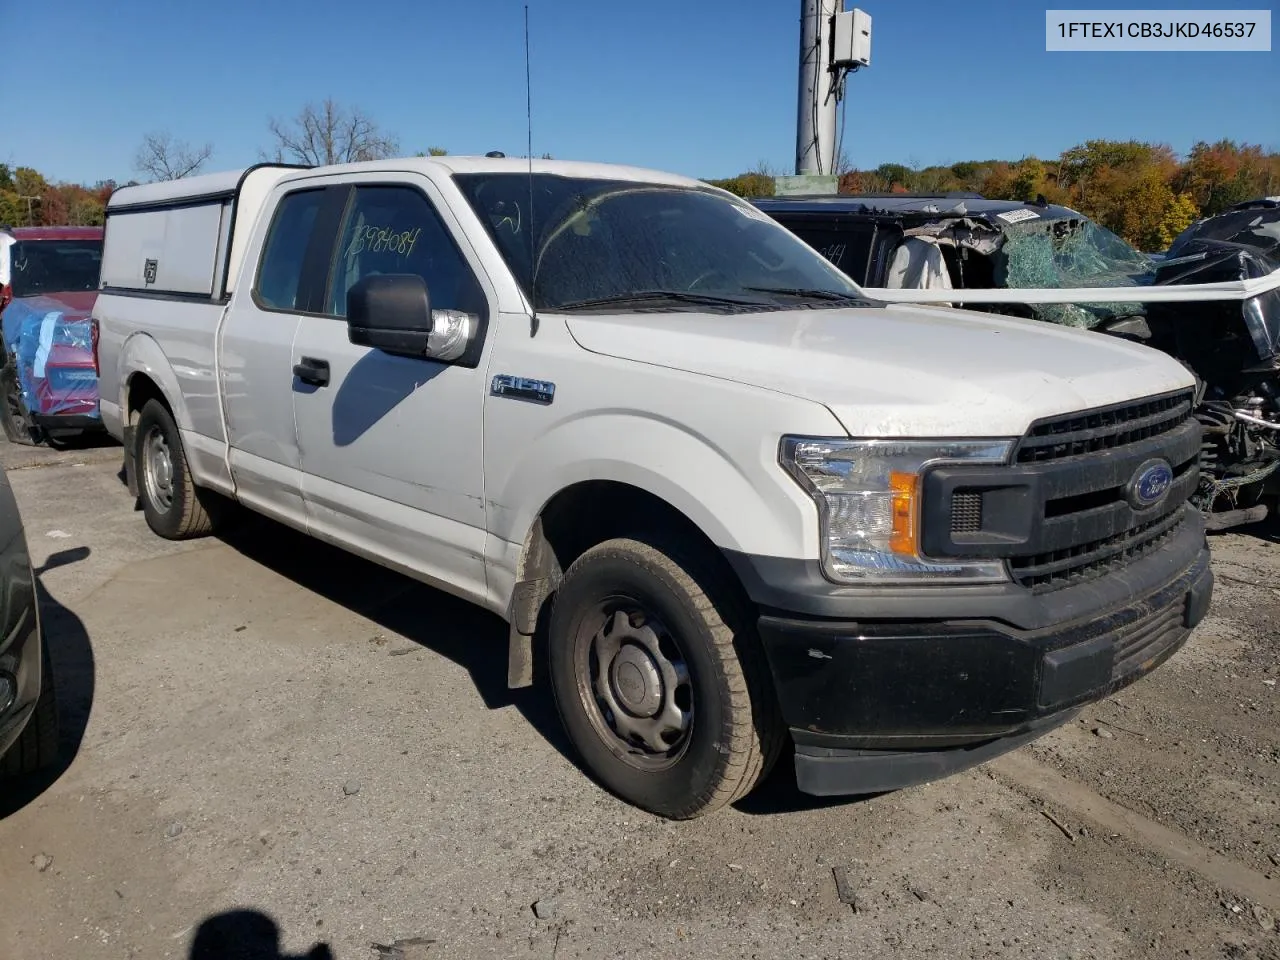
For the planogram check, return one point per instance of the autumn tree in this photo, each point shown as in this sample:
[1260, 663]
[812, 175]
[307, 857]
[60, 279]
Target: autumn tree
[997, 181]
[1222, 174]
[329, 133]
[935, 179]
[747, 185]
[161, 157]
[1139, 190]
[22, 193]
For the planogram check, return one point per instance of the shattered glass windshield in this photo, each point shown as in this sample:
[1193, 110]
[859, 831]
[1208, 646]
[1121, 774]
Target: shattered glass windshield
[1071, 252]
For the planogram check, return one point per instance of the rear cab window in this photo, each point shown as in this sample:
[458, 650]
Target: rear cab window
[279, 283]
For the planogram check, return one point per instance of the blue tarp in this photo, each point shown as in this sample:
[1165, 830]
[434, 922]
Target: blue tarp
[49, 351]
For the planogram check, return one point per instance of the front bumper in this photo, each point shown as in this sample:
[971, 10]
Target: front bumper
[881, 702]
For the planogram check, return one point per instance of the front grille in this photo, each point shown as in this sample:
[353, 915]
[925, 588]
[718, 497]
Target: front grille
[1068, 510]
[1087, 561]
[1104, 428]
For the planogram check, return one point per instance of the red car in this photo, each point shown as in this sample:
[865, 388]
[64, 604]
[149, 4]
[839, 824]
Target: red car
[48, 379]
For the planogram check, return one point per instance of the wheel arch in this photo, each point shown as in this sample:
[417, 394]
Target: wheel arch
[570, 522]
[145, 374]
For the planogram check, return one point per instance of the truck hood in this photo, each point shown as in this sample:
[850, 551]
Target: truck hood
[898, 371]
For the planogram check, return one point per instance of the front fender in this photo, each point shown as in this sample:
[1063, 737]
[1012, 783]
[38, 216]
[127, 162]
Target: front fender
[734, 491]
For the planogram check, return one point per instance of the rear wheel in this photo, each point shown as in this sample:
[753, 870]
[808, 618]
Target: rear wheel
[174, 506]
[37, 746]
[660, 678]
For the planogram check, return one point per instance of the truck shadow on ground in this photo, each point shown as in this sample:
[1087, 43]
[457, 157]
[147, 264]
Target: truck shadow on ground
[246, 935]
[74, 672]
[471, 637]
[89, 440]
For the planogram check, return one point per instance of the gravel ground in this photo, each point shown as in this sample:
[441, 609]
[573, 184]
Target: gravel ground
[272, 738]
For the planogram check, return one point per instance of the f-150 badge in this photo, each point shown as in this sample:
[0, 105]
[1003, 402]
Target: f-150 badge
[521, 388]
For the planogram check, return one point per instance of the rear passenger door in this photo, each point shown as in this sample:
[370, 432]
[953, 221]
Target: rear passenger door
[391, 445]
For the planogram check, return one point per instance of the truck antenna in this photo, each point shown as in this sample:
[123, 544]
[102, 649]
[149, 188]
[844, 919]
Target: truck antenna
[533, 242]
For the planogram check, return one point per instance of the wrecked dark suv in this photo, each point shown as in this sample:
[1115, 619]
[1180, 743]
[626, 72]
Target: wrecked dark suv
[1048, 262]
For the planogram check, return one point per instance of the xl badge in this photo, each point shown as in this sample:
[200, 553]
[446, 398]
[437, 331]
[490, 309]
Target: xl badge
[1149, 485]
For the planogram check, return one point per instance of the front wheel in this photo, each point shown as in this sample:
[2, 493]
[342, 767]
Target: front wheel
[660, 679]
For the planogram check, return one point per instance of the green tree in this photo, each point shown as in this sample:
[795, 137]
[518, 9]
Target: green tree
[896, 174]
[747, 185]
[1028, 179]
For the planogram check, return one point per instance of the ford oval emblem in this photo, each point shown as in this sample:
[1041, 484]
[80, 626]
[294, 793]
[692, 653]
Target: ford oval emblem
[1150, 483]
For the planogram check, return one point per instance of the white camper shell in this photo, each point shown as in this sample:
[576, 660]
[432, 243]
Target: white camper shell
[184, 238]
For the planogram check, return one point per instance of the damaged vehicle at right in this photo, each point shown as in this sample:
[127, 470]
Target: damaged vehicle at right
[1212, 300]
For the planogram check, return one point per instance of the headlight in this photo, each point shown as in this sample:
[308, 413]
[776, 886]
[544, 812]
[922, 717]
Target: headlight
[868, 496]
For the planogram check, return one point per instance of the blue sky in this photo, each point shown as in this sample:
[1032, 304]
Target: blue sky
[705, 89]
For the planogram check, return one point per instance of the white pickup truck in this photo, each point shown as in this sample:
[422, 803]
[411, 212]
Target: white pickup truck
[747, 508]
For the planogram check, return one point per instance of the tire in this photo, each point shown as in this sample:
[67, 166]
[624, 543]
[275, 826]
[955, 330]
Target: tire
[708, 672]
[174, 506]
[15, 418]
[37, 747]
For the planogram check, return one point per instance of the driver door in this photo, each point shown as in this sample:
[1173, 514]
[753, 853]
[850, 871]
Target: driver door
[391, 445]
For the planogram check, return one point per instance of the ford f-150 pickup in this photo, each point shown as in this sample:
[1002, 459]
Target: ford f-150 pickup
[749, 509]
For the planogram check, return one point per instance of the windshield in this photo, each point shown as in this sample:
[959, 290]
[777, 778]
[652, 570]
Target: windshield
[590, 243]
[1071, 252]
[54, 266]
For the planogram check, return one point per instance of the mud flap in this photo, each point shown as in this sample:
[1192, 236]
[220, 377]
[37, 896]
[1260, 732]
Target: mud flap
[526, 602]
[130, 461]
[519, 660]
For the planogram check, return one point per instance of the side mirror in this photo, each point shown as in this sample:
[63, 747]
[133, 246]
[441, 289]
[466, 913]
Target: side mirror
[391, 312]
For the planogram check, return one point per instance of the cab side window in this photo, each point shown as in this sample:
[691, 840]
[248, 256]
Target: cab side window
[395, 230]
[284, 254]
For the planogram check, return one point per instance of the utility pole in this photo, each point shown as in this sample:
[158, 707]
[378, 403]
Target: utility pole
[833, 44]
[816, 118]
[31, 216]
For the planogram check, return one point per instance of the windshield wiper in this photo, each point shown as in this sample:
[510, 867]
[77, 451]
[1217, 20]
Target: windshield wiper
[651, 296]
[810, 293]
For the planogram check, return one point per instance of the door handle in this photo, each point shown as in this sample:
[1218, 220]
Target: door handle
[312, 371]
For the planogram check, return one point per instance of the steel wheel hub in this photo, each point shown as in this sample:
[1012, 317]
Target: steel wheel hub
[158, 469]
[636, 682]
[641, 684]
